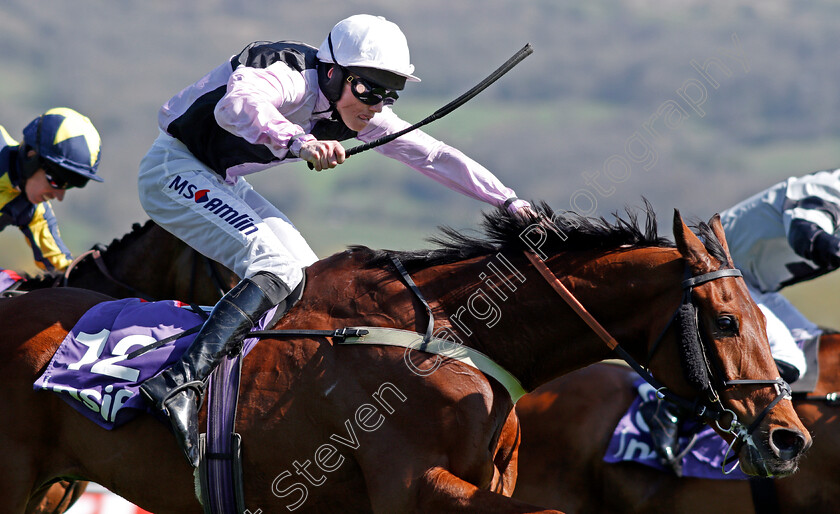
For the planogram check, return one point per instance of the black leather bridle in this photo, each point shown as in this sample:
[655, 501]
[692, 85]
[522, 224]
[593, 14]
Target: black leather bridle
[709, 409]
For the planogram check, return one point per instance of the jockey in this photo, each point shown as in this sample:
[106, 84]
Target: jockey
[60, 150]
[270, 104]
[781, 236]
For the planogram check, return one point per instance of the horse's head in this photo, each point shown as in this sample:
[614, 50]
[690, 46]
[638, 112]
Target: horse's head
[722, 342]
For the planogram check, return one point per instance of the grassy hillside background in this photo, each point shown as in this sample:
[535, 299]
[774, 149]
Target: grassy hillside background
[692, 104]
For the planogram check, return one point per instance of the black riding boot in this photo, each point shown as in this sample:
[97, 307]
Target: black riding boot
[663, 421]
[788, 372]
[178, 391]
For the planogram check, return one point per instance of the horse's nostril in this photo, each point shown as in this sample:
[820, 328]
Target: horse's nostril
[787, 444]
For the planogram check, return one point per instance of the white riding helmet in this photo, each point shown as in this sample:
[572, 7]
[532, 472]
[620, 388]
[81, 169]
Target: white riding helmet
[368, 42]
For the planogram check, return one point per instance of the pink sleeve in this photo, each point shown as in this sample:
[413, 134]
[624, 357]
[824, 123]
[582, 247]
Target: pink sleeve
[249, 109]
[439, 161]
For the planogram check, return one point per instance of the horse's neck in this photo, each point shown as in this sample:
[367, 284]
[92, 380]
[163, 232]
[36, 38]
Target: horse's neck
[140, 260]
[87, 274]
[42, 281]
[505, 309]
[501, 306]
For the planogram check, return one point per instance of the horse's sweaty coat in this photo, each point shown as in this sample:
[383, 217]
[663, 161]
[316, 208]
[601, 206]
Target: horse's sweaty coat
[452, 444]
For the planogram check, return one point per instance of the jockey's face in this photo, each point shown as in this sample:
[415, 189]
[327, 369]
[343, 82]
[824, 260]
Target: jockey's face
[38, 188]
[355, 114]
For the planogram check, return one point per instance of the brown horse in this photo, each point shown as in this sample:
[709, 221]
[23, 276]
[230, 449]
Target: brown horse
[149, 263]
[331, 427]
[567, 425]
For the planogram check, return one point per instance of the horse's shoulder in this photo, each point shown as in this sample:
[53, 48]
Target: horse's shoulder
[64, 305]
[49, 313]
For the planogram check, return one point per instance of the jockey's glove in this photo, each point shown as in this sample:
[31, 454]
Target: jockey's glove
[826, 250]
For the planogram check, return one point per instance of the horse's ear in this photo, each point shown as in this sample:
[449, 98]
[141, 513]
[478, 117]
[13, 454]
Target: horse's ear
[690, 246]
[720, 234]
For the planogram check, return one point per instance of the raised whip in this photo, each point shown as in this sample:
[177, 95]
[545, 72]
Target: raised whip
[451, 106]
[454, 104]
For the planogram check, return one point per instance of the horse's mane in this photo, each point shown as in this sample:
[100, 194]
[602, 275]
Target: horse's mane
[502, 230]
[137, 230]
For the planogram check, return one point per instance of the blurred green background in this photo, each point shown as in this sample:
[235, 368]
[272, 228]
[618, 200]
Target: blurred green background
[692, 104]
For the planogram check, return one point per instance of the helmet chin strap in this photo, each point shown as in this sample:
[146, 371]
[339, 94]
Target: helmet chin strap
[31, 163]
[331, 82]
[28, 167]
[331, 85]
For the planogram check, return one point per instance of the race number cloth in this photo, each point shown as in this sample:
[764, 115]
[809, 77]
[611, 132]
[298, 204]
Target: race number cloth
[91, 369]
[8, 278]
[705, 448]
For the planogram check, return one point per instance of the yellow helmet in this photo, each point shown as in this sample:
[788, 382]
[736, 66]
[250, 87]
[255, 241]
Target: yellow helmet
[68, 139]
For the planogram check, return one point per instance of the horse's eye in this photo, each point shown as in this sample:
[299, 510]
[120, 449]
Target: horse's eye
[727, 323]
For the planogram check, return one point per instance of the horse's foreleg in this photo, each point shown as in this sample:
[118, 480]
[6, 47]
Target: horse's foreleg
[441, 491]
[40, 502]
[506, 458]
[56, 498]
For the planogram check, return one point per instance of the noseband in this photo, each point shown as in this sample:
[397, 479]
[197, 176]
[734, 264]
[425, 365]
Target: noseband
[698, 369]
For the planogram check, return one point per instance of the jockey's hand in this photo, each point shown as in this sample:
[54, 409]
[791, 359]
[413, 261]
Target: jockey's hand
[825, 250]
[528, 213]
[322, 154]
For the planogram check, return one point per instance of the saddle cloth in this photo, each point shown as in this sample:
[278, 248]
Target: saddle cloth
[703, 449]
[8, 278]
[91, 370]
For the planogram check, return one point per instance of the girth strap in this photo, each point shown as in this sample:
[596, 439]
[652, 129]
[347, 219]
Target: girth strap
[220, 468]
[443, 347]
[416, 290]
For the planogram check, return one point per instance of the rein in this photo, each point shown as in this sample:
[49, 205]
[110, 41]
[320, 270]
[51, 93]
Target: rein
[713, 413]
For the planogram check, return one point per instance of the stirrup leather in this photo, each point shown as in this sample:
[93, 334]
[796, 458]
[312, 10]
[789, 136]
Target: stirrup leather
[196, 385]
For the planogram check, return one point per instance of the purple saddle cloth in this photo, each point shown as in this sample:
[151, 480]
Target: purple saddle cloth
[91, 370]
[8, 278]
[703, 450]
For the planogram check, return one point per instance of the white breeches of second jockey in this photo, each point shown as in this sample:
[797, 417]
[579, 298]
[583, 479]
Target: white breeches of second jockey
[787, 328]
[229, 223]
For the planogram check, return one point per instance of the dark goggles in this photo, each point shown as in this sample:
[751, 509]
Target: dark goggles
[371, 94]
[59, 178]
